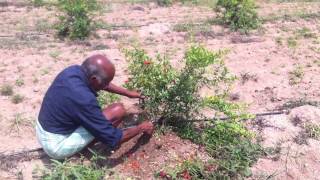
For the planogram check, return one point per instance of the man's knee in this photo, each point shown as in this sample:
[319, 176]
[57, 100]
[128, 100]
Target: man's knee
[119, 108]
[115, 111]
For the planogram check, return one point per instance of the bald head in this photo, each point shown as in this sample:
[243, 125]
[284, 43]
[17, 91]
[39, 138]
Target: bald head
[99, 70]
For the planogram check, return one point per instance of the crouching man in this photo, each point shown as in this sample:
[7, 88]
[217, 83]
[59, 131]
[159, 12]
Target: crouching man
[70, 117]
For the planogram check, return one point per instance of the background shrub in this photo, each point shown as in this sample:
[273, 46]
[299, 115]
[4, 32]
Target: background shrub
[239, 14]
[76, 19]
[6, 90]
[164, 2]
[37, 2]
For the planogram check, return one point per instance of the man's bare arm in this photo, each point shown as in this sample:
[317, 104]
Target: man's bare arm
[122, 91]
[145, 127]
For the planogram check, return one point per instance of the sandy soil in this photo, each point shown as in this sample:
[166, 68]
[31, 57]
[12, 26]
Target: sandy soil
[263, 62]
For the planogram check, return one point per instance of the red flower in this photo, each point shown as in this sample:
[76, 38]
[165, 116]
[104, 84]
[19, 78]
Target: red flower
[128, 80]
[146, 62]
[185, 175]
[210, 167]
[129, 155]
[135, 164]
[162, 174]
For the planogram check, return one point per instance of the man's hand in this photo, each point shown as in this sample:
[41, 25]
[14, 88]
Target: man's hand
[122, 91]
[147, 127]
[135, 94]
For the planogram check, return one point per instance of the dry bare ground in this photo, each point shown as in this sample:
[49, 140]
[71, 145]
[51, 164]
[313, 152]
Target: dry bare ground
[278, 63]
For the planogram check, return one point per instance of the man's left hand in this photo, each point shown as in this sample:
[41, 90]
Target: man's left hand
[135, 94]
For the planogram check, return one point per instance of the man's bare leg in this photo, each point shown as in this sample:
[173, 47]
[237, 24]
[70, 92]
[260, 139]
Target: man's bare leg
[115, 113]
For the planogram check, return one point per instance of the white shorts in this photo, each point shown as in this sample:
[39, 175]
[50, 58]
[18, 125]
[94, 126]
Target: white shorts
[59, 146]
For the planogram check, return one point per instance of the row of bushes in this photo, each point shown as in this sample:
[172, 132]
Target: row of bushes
[76, 17]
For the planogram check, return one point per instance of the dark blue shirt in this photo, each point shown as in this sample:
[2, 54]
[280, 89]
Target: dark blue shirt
[70, 103]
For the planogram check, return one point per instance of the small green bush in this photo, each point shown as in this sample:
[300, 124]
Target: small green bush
[174, 94]
[231, 146]
[76, 19]
[239, 14]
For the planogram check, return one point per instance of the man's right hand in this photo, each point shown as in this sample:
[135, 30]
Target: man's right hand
[147, 127]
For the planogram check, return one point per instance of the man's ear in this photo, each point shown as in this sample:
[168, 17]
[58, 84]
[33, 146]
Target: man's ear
[94, 80]
[94, 83]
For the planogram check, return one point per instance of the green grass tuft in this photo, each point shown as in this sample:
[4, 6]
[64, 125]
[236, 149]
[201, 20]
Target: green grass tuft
[305, 33]
[313, 130]
[6, 90]
[296, 75]
[19, 82]
[292, 42]
[69, 171]
[17, 98]
[105, 98]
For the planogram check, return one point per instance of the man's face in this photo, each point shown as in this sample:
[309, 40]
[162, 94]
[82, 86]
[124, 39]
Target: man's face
[106, 82]
[99, 84]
